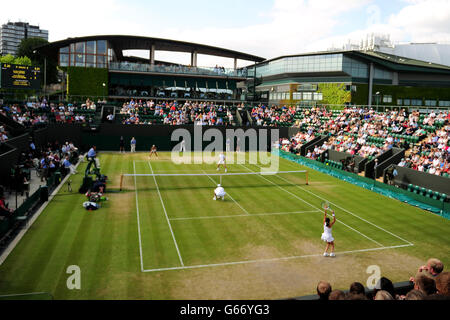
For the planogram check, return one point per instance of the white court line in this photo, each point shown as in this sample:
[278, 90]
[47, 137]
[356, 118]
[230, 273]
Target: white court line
[167, 218]
[337, 206]
[138, 219]
[227, 193]
[242, 215]
[340, 221]
[273, 259]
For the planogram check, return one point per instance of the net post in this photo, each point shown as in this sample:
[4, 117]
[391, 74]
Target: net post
[306, 176]
[121, 181]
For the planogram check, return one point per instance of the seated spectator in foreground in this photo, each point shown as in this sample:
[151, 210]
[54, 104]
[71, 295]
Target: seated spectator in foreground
[383, 295]
[424, 284]
[432, 269]
[357, 288]
[443, 283]
[386, 285]
[414, 295]
[336, 295]
[323, 290]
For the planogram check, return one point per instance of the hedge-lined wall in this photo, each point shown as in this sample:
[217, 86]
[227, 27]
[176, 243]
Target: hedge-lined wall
[87, 81]
[399, 92]
[334, 93]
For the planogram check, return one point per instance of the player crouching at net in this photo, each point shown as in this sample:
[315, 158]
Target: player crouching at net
[153, 151]
[222, 162]
[219, 192]
[326, 235]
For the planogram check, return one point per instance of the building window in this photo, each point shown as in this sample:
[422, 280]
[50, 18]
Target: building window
[430, 103]
[63, 60]
[444, 103]
[399, 102]
[317, 96]
[416, 102]
[90, 47]
[297, 95]
[387, 99]
[407, 102]
[307, 95]
[101, 47]
[79, 47]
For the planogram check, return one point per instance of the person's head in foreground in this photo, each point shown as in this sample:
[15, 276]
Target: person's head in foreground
[443, 283]
[323, 290]
[386, 285]
[357, 288]
[415, 295]
[383, 295]
[336, 295]
[424, 284]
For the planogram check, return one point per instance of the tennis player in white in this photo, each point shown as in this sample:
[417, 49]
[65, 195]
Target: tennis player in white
[326, 235]
[222, 162]
[219, 192]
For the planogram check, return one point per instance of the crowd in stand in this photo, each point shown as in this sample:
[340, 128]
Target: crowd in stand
[263, 115]
[34, 113]
[172, 113]
[432, 155]
[367, 133]
[430, 283]
[3, 134]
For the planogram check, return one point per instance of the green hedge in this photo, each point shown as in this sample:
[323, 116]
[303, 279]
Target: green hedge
[87, 81]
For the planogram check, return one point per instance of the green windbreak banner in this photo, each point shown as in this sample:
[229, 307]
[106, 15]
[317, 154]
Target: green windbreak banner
[435, 206]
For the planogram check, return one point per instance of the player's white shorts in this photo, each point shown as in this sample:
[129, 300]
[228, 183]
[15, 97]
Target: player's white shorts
[221, 162]
[220, 194]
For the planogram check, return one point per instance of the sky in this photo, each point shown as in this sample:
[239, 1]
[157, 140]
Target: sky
[266, 28]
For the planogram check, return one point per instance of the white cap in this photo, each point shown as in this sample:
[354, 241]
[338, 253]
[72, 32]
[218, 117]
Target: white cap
[218, 185]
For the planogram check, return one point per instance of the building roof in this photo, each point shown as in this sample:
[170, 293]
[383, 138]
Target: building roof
[126, 42]
[392, 62]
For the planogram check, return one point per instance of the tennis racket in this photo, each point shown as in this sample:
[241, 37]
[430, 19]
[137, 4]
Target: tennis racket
[326, 206]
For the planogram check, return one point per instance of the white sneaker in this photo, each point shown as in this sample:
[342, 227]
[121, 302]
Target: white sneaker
[217, 169]
[225, 170]
[325, 254]
[214, 198]
[332, 254]
[223, 198]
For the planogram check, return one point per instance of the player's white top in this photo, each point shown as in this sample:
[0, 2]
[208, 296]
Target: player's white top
[326, 235]
[219, 191]
[221, 159]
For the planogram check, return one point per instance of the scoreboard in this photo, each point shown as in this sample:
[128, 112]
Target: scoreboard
[16, 76]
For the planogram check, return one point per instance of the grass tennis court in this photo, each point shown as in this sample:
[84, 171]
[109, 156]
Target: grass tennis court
[164, 237]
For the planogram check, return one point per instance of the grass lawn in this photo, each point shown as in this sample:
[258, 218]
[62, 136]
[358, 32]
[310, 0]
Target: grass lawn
[166, 238]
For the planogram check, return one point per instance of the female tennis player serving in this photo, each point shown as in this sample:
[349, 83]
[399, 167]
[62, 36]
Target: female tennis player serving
[326, 235]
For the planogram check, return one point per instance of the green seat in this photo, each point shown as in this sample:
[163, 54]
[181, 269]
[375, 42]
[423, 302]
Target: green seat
[423, 191]
[410, 187]
[436, 195]
[417, 189]
[443, 197]
[429, 193]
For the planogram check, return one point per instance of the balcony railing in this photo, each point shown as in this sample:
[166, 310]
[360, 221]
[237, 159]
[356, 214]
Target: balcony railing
[206, 71]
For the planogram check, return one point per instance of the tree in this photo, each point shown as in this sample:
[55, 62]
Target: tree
[28, 47]
[23, 61]
[9, 58]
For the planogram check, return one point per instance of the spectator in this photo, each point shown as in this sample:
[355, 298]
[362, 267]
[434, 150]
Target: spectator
[383, 295]
[414, 295]
[323, 290]
[424, 284]
[386, 285]
[336, 295]
[357, 288]
[443, 283]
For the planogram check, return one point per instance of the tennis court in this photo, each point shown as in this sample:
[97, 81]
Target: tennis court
[164, 237]
[178, 218]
